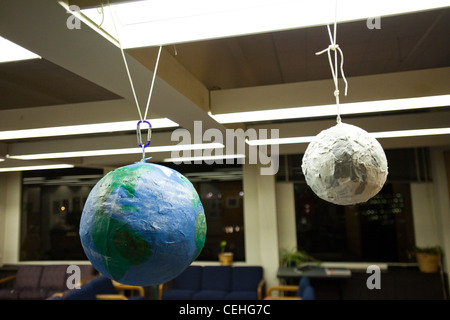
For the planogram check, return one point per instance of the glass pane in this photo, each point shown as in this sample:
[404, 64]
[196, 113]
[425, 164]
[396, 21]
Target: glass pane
[380, 229]
[52, 204]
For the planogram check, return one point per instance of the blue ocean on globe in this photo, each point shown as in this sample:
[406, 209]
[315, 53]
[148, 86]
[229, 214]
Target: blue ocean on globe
[142, 224]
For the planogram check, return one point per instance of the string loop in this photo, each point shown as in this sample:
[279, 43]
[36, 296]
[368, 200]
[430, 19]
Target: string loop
[334, 66]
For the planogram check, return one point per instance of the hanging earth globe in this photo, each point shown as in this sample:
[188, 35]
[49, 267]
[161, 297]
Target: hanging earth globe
[142, 224]
[345, 165]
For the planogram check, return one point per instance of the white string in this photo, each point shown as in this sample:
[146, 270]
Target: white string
[125, 61]
[334, 67]
[128, 71]
[153, 82]
[132, 85]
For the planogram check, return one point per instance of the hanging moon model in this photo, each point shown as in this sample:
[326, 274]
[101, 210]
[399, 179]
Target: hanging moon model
[345, 165]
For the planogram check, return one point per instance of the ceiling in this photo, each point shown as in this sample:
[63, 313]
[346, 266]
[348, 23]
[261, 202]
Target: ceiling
[408, 42]
[79, 70]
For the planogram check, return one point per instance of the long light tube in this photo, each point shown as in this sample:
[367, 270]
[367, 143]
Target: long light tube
[377, 135]
[42, 167]
[205, 158]
[160, 22]
[83, 129]
[9, 51]
[108, 152]
[330, 110]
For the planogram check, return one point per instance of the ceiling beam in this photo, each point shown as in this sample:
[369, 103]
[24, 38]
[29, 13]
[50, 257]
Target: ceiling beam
[174, 73]
[70, 114]
[399, 85]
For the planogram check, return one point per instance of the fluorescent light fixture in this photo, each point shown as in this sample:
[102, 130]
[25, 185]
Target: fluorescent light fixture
[1, 159]
[9, 51]
[206, 158]
[109, 152]
[160, 22]
[42, 167]
[293, 140]
[411, 133]
[83, 129]
[377, 135]
[330, 110]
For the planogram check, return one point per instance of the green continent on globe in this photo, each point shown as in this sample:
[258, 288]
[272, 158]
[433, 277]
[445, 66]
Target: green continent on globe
[125, 177]
[120, 246]
[200, 232]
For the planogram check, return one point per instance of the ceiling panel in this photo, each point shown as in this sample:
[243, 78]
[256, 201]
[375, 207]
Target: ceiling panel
[407, 42]
[38, 82]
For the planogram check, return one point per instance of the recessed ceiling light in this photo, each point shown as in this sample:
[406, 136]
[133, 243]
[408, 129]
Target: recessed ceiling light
[9, 51]
[377, 135]
[83, 129]
[109, 152]
[330, 110]
[160, 22]
[204, 158]
[42, 167]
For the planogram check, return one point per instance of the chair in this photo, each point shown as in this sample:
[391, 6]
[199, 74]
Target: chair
[216, 283]
[309, 294]
[303, 291]
[303, 283]
[247, 283]
[103, 288]
[52, 280]
[183, 287]
[26, 280]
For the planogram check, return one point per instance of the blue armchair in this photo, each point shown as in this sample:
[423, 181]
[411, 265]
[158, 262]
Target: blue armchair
[216, 283]
[247, 284]
[184, 286]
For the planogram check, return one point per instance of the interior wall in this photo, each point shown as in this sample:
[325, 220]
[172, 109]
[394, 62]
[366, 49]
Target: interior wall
[285, 202]
[441, 201]
[2, 214]
[10, 215]
[425, 227]
[260, 222]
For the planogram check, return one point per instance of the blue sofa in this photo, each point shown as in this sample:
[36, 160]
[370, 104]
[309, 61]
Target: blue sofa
[215, 283]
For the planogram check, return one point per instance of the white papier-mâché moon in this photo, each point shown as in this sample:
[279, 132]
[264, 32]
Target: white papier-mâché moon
[345, 165]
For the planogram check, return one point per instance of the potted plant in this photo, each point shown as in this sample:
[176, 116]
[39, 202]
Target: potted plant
[428, 258]
[225, 258]
[294, 257]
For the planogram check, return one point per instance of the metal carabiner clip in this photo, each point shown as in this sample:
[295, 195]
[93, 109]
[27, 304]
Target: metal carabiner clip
[139, 135]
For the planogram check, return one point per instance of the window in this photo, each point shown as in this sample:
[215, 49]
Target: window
[221, 192]
[53, 200]
[52, 204]
[380, 230]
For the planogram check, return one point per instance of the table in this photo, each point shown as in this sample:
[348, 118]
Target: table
[336, 274]
[313, 272]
